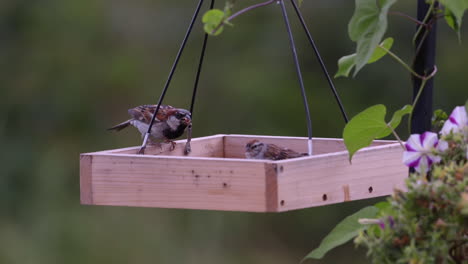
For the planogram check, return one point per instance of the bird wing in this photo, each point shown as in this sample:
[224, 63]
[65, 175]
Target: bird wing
[144, 113]
[278, 153]
[273, 152]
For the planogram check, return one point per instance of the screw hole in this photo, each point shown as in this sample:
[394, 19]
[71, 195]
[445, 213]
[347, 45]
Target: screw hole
[324, 197]
[371, 189]
[281, 168]
[225, 185]
[282, 202]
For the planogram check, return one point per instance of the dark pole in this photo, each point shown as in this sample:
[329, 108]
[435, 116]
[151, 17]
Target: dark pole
[424, 64]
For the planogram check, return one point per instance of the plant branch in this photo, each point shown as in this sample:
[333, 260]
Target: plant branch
[396, 136]
[421, 88]
[424, 22]
[240, 12]
[407, 67]
[401, 14]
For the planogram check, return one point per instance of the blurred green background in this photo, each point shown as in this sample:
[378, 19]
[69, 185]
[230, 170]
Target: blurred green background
[71, 69]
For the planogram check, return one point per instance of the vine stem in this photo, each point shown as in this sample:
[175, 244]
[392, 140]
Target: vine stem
[399, 60]
[421, 88]
[240, 12]
[396, 13]
[424, 22]
[397, 137]
[250, 8]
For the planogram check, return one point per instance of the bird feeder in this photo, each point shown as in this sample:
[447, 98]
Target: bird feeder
[215, 175]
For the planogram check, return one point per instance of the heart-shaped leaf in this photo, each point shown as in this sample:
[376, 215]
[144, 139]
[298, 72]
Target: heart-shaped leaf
[370, 124]
[454, 10]
[346, 63]
[367, 28]
[343, 232]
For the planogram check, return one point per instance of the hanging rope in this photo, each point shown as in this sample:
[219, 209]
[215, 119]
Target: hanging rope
[299, 75]
[187, 148]
[174, 66]
[322, 64]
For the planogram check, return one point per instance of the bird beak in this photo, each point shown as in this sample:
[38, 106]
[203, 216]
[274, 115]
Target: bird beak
[186, 121]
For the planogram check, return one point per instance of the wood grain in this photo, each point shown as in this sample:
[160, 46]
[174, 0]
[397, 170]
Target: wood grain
[175, 182]
[86, 182]
[211, 146]
[330, 178]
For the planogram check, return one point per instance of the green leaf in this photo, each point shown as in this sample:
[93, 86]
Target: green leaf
[381, 51]
[343, 232]
[346, 63]
[212, 19]
[395, 121]
[382, 205]
[363, 128]
[367, 28]
[452, 21]
[454, 10]
[300, 2]
[369, 125]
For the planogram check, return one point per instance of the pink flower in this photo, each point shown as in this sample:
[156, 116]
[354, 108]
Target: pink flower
[457, 122]
[419, 152]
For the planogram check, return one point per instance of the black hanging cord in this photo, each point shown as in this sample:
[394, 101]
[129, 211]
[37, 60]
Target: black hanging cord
[299, 74]
[322, 64]
[174, 66]
[188, 148]
[200, 64]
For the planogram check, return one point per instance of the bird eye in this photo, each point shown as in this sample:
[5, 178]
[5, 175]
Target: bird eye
[179, 115]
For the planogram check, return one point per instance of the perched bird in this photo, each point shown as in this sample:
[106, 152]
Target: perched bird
[255, 149]
[170, 122]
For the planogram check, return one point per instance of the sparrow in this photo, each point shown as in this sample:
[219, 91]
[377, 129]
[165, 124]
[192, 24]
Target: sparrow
[255, 149]
[170, 122]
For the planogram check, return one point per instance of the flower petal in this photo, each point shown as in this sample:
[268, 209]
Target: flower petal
[423, 165]
[414, 143]
[457, 121]
[411, 159]
[429, 140]
[442, 146]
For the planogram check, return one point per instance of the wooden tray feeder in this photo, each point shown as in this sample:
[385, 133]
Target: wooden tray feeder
[216, 176]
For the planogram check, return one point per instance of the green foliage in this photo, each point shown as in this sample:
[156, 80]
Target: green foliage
[454, 10]
[428, 223]
[213, 22]
[346, 63]
[343, 232]
[369, 125]
[367, 28]
[438, 119]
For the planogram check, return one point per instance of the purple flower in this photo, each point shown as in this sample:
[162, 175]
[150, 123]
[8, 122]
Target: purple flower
[457, 122]
[419, 152]
[391, 221]
[382, 224]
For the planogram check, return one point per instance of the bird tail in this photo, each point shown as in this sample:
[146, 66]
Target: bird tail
[120, 126]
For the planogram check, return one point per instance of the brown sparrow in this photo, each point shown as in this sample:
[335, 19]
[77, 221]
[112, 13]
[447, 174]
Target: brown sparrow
[170, 122]
[258, 150]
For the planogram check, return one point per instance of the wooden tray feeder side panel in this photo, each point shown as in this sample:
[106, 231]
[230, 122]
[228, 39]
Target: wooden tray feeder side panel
[122, 178]
[330, 178]
[215, 176]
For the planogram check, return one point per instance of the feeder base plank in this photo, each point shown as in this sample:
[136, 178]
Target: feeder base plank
[145, 181]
